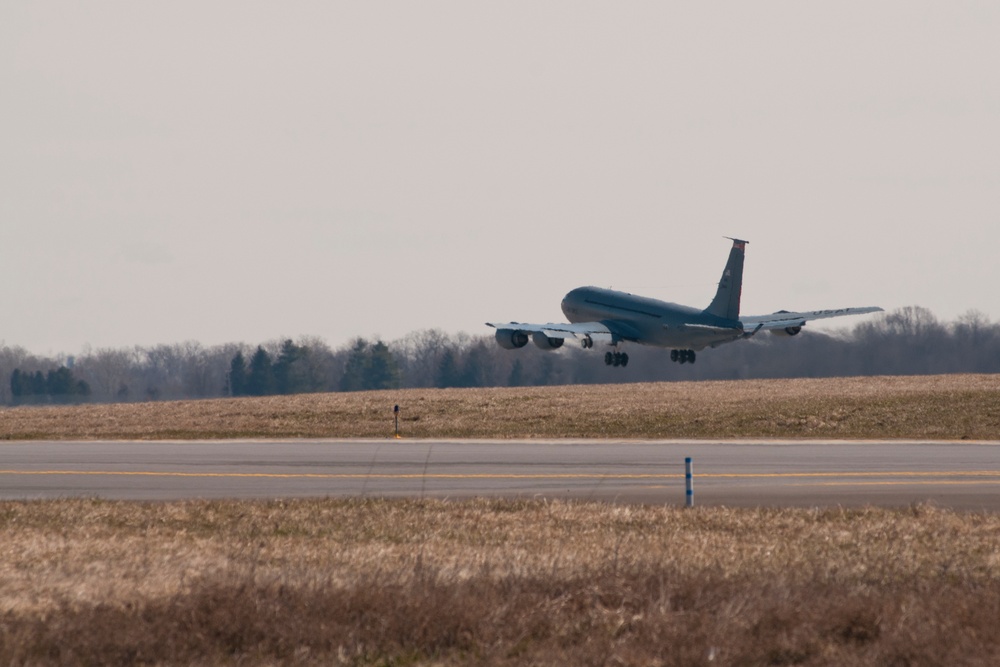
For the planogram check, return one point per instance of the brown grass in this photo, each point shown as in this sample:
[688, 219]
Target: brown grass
[377, 582]
[926, 407]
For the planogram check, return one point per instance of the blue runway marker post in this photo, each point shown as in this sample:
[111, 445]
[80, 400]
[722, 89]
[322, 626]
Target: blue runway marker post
[689, 482]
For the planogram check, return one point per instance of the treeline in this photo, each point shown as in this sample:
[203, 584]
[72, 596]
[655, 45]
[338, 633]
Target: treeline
[292, 371]
[909, 341]
[55, 386]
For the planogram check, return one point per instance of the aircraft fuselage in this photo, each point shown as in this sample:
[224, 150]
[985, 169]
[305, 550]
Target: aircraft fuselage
[648, 321]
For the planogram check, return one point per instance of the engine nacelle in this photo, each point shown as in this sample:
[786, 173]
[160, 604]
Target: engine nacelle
[511, 339]
[546, 343]
[787, 331]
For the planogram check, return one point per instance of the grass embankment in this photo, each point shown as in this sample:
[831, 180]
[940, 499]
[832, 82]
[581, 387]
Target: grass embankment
[368, 582]
[925, 407]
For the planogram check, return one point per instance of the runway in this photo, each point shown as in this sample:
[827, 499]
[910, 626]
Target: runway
[957, 475]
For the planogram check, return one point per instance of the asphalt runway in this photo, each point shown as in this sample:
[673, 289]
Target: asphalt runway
[957, 475]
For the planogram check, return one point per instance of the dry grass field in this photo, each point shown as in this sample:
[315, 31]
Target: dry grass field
[378, 582]
[925, 407]
[500, 582]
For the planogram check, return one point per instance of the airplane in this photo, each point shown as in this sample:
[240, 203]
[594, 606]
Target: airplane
[612, 317]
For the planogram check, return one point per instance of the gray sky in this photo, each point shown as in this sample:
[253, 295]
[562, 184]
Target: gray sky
[240, 171]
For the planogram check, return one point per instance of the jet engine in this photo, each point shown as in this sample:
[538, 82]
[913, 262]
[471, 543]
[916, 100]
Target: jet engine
[787, 331]
[511, 339]
[546, 343]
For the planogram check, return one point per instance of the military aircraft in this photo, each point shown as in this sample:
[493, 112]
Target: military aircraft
[611, 317]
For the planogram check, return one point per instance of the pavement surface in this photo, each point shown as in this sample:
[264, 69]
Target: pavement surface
[959, 475]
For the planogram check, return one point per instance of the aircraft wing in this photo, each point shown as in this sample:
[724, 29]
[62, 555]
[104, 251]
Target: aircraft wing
[593, 330]
[784, 319]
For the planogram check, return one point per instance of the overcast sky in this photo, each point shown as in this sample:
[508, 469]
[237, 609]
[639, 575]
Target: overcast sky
[242, 171]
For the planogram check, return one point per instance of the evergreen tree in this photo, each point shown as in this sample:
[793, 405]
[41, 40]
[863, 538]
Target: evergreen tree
[383, 369]
[476, 371]
[81, 388]
[38, 386]
[290, 370]
[357, 367]
[260, 380]
[18, 386]
[448, 374]
[237, 379]
[59, 383]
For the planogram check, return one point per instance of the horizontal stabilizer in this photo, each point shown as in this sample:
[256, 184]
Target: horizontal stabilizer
[700, 335]
[784, 319]
[707, 328]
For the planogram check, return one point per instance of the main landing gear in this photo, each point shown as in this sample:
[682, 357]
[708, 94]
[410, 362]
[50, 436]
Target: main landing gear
[682, 356]
[610, 358]
[616, 359]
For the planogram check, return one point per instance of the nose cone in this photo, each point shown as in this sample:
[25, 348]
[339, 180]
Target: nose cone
[569, 304]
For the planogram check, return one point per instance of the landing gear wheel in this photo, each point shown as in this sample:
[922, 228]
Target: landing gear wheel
[616, 359]
[682, 356]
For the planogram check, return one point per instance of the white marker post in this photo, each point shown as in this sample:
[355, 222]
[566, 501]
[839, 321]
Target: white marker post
[689, 482]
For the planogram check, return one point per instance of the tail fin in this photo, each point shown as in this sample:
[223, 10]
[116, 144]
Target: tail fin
[727, 300]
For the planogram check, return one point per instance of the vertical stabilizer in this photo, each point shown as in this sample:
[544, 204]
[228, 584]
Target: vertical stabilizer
[727, 300]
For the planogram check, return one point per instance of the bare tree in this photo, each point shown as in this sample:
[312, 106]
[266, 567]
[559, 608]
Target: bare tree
[108, 372]
[320, 366]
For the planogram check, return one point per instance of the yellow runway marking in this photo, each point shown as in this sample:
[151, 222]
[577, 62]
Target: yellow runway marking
[898, 473]
[305, 475]
[982, 475]
[919, 482]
